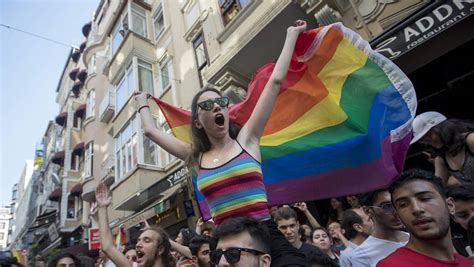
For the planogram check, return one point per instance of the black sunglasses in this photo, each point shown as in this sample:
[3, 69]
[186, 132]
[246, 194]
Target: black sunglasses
[209, 104]
[232, 255]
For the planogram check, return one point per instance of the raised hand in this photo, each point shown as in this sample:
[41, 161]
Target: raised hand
[301, 206]
[102, 195]
[141, 97]
[299, 27]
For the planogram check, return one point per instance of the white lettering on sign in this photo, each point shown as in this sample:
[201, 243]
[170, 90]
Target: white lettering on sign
[177, 176]
[425, 24]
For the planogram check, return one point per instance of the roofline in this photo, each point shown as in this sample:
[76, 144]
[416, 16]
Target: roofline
[64, 69]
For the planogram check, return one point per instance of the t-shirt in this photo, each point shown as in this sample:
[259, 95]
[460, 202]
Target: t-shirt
[405, 257]
[345, 259]
[373, 249]
[308, 249]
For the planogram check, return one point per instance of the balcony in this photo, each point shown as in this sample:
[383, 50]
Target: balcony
[132, 45]
[107, 107]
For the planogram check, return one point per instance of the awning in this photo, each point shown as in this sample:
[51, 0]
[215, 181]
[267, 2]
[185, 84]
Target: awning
[82, 46]
[82, 75]
[76, 190]
[58, 157]
[150, 211]
[77, 150]
[80, 111]
[76, 55]
[56, 194]
[61, 118]
[86, 29]
[73, 74]
[76, 88]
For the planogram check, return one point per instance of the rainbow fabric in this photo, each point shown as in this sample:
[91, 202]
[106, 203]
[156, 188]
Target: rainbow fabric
[341, 123]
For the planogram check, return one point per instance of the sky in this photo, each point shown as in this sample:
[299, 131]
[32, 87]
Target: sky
[30, 69]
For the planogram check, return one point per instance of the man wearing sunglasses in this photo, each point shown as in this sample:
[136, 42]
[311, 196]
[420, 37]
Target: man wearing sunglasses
[241, 241]
[386, 236]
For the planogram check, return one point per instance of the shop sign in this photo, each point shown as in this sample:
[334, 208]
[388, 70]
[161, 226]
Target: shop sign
[94, 239]
[53, 232]
[177, 176]
[139, 218]
[426, 27]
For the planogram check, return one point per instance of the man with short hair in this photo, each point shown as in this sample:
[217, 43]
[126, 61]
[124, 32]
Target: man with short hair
[420, 201]
[241, 241]
[289, 226]
[387, 235]
[463, 197]
[199, 247]
[357, 226]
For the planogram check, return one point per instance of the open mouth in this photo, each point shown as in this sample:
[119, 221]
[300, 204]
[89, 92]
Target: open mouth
[140, 255]
[219, 119]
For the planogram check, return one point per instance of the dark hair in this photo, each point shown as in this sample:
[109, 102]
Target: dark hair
[197, 242]
[164, 241]
[418, 174]
[464, 192]
[368, 199]
[187, 235]
[63, 255]
[200, 141]
[450, 133]
[322, 229]
[258, 232]
[86, 261]
[128, 247]
[285, 213]
[348, 220]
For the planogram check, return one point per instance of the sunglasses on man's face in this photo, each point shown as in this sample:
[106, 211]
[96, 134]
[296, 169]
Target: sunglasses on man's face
[232, 255]
[209, 104]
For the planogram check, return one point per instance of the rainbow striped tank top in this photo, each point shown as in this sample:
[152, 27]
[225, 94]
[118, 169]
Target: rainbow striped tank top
[234, 189]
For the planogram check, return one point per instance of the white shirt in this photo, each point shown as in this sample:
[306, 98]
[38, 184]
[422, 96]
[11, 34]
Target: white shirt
[108, 263]
[373, 249]
[346, 255]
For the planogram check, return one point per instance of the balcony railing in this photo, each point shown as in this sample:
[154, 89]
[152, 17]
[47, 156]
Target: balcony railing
[107, 107]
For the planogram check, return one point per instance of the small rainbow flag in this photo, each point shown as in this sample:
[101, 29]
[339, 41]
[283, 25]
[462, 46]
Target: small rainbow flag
[341, 123]
[121, 237]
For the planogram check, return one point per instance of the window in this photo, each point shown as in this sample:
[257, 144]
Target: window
[92, 65]
[90, 104]
[165, 72]
[89, 156]
[118, 33]
[2, 225]
[145, 77]
[77, 122]
[126, 148]
[2, 236]
[139, 20]
[124, 88]
[159, 22]
[71, 207]
[200, 52]
[230, 8]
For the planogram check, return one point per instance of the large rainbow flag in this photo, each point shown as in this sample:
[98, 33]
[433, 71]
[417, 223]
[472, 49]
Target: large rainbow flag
[341, 124]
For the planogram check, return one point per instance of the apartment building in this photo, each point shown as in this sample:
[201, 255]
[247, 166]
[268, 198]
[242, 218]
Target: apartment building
[5, 218]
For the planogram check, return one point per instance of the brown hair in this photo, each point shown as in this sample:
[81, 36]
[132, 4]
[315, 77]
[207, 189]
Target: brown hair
[163, 241]
[199, 141]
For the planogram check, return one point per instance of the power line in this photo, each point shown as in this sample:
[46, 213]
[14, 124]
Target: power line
[37, 35]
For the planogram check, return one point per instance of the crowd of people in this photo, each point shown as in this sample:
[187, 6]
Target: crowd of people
[405, 224]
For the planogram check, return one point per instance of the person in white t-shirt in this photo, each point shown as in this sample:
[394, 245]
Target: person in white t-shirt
[387, 235]
[358, 226]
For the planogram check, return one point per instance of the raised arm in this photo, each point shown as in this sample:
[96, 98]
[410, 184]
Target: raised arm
[103, 198]
[183, 250]
[166, 141]
[252, 131]
[312, 221]
[440, 169]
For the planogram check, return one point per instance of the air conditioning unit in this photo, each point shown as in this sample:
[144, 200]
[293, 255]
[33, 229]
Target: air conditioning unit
[107, 107]
[327, 15]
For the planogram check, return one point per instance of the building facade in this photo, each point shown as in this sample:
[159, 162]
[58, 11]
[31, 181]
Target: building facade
[5, 218]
